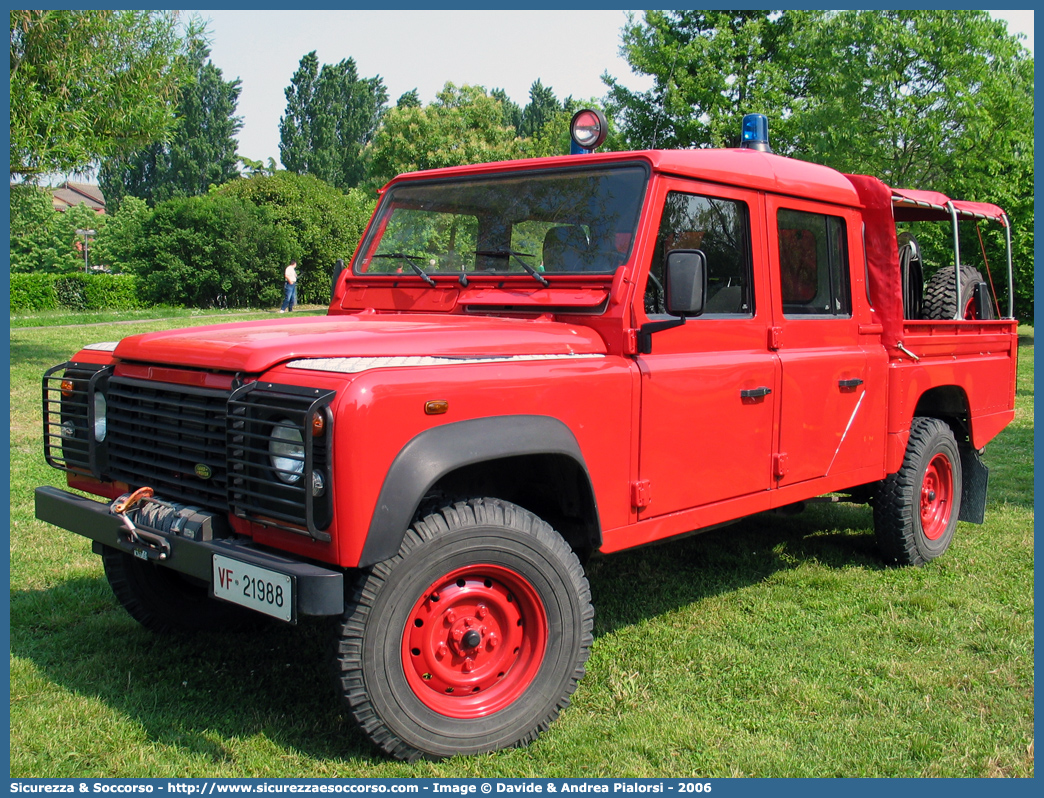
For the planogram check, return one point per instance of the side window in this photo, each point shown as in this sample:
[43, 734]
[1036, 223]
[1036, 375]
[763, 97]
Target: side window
[813, 264]
[719, 227]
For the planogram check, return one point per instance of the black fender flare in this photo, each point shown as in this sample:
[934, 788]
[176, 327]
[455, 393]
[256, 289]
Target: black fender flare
[432, 454]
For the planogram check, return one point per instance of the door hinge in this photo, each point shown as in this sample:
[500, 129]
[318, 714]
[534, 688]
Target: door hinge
[641, 493]
[775, 338]
[779, 465]
[630, 342]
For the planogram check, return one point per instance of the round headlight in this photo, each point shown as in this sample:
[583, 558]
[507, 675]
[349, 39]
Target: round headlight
[588, 128]
[100, 408]
[286, 451]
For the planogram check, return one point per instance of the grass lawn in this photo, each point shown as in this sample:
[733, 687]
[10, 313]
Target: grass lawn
[185, 316]
[778, 647]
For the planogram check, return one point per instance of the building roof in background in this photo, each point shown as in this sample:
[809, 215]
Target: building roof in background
[70, 193]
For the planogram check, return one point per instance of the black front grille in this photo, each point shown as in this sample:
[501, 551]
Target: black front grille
[261, 451]
[170, 437]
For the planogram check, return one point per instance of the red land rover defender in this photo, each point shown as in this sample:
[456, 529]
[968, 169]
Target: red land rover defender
[528, 363]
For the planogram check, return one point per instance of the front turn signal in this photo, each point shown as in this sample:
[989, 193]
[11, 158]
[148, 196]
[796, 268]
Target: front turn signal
[318, 425]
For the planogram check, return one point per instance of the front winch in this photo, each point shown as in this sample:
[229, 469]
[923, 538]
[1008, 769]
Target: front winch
[149, 521]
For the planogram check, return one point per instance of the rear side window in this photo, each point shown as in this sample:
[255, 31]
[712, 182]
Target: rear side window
[813, 264]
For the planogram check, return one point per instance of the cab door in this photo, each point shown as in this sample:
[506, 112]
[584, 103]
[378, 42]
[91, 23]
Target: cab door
[708, 388]
[831, 411]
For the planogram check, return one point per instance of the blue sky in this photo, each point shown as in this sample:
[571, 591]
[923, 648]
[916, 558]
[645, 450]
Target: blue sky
[566, 50]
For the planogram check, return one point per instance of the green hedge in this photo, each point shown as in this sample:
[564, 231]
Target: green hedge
[33, 292]
[74, 292]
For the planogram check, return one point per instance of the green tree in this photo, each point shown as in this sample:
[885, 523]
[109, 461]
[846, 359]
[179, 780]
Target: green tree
[512, 110]
[939, 100]
[200, 153]
[80, 217]
[116, 239]
[925, 96]
[212, 250]
[44, 240]
[322, 222]
[253, 168]
[295, 133]
[71, 68]
[463, 125]
[553, 137]
[542, 107]
[331, 114]
[410, 99]
[38, 239]
[709, 68]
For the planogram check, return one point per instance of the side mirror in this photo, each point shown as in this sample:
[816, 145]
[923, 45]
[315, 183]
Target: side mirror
[338, 268]
[686, 287]
[686, 290]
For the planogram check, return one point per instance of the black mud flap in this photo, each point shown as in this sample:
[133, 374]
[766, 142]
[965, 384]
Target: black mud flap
[976, 478]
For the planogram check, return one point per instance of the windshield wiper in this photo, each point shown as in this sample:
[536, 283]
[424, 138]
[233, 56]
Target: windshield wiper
[410, 260]
[510, 253]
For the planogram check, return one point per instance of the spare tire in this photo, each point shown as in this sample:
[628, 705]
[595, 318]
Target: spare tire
[940, 300]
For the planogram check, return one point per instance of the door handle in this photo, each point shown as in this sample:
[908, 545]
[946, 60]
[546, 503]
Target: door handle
[844, 384]
[755, 393]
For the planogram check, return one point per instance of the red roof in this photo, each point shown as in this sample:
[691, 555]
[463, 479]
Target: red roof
[750, 168]
[70, 193]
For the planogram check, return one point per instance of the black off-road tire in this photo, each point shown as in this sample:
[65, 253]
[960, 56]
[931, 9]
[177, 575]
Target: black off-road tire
[471, 639]
[165, 601]
[940, 296]
[916, 509]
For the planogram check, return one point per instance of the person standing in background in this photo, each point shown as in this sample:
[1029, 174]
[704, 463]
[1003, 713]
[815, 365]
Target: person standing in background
[289, 287]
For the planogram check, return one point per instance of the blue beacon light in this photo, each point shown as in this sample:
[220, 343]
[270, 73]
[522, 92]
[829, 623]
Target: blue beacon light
[755, 133]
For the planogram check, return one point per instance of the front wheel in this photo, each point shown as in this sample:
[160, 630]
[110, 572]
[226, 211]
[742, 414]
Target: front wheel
[471, 639]
[916, 509]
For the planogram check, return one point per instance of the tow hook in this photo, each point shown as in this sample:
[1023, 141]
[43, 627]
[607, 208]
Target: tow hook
[146, 545]
[128, 500]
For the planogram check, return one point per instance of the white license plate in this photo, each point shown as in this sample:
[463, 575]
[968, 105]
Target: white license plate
[251, 586]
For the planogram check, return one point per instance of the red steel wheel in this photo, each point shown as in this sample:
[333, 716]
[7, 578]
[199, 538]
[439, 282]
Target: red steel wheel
[937, 497]
[970, 313]
[916, 509]
[472, 638]
[474, 641]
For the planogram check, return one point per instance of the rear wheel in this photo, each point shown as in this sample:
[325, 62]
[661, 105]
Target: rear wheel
[164, 601]
[916, 509]
[471, 639]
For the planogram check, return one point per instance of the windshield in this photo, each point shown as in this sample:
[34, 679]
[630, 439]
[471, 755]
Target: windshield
[535, 223]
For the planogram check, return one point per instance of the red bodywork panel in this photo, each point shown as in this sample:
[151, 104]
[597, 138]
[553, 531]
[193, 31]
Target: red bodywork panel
[726, 416]
[253, 347]
[383, 409]
[976, 357]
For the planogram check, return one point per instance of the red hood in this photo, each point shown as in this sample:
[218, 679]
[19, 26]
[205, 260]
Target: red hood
[255, 346]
